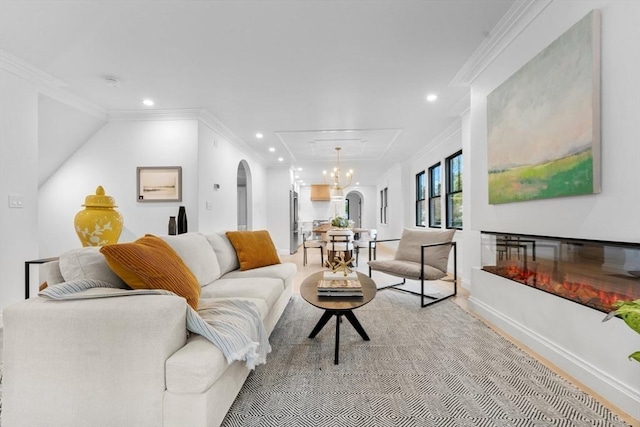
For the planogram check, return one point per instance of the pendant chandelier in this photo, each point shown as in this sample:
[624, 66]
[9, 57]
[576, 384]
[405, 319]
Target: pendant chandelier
[336, 177]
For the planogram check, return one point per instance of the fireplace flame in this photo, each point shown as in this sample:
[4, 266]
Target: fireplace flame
[591, 294]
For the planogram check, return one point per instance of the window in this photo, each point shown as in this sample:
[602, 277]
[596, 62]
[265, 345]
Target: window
[454, 191]
[347, 211]
[435, 191]
[383, 205]
[420, 200]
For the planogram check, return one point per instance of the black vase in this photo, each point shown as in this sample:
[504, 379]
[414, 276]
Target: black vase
[182, 220]
[172, 225]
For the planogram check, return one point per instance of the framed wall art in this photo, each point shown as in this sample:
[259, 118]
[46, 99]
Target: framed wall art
[543, 122]
[159, 184]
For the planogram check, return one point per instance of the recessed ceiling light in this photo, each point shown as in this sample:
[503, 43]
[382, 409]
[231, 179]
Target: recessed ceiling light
[357, 183]
[148, 102]
[432, 97]
[299, 169]
[271, 149]
[280, 159]
[259, 135]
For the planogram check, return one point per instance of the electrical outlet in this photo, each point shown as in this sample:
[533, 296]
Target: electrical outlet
[209, 205]
[16, 201]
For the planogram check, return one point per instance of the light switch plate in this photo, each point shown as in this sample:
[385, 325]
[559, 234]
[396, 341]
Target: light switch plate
[209, 205]
[16, 201]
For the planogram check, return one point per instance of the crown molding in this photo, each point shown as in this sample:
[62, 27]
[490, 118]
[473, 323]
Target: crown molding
[461, 107]
[444, 136]
[48, 85]
[213, 123]
[142, 115]
[75, 101]
[516, 20]
[201, 115]
[17, 66]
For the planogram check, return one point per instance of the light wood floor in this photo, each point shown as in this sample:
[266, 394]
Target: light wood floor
[314, 265]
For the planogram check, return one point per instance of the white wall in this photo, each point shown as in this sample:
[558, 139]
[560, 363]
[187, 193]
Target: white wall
[369, 205]
[280, 183]
[110, 159]
[218, 161]
[566, 333]
[18, 176]
[395, 181]
[308, 210]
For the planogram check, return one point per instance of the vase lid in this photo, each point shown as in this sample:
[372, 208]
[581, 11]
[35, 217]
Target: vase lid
[99, 200]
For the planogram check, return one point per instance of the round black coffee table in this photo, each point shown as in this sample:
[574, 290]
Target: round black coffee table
[337, 306]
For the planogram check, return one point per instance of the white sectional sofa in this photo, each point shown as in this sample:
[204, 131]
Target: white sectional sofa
[129, 361]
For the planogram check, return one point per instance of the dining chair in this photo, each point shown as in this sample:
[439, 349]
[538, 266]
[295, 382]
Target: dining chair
[308, 242]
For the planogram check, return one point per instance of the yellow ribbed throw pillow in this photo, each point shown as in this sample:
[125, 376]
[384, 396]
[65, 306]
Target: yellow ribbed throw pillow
[254, 248]
[150, 263]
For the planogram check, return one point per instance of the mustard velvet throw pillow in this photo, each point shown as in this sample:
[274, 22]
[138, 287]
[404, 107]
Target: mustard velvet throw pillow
[150, 263]
[254, 248]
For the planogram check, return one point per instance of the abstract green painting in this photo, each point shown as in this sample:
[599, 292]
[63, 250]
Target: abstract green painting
[543, 123]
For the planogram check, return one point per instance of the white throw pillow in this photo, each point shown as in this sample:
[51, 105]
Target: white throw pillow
[197, 254]
[225, 252]
[87, 263]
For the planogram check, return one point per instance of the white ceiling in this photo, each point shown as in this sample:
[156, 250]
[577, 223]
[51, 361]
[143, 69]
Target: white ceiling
[308, 75]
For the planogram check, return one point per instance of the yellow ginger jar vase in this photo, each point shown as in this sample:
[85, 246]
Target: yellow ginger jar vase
[98, 223]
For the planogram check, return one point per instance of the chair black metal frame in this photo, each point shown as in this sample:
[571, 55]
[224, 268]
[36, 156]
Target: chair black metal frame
[433, 299]
[372, 250]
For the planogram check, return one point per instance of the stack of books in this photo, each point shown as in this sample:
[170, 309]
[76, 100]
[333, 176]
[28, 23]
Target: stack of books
[340, 287]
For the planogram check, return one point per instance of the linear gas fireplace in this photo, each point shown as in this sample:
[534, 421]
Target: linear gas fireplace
[590, 272]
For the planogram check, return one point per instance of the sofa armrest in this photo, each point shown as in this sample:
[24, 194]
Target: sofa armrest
[89, 362]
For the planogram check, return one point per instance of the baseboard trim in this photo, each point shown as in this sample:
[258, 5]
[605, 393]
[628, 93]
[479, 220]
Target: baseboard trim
[626, 399]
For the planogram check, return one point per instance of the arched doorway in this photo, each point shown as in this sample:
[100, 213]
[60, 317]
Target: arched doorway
[353, 206]
[245, 217]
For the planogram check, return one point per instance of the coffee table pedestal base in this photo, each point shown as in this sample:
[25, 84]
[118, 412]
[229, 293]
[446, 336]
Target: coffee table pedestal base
[339, 313]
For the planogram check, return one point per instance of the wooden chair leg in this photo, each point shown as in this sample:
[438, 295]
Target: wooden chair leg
[304, 255]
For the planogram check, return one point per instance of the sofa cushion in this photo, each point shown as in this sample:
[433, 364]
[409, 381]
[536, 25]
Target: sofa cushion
[199, 364]
[253, 248]
[265, 288]
[197, 254]
[226, 254]
[150, 263]
[437, 256]
[86, 263]
[284, 271]
[408, 269]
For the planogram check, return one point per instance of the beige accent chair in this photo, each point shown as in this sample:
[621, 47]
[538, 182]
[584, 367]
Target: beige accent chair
[308, 242]
[421, 255]
[367, 240]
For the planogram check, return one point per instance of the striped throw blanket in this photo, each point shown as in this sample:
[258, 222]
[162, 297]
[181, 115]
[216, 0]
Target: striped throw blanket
[234, 326]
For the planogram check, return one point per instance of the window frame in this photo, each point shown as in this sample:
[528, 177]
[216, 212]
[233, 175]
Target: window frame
[450, 191]
[384, 194]
[421, 191]
[435, 194]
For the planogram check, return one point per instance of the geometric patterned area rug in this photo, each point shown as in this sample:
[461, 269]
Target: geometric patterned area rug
[436, 366]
